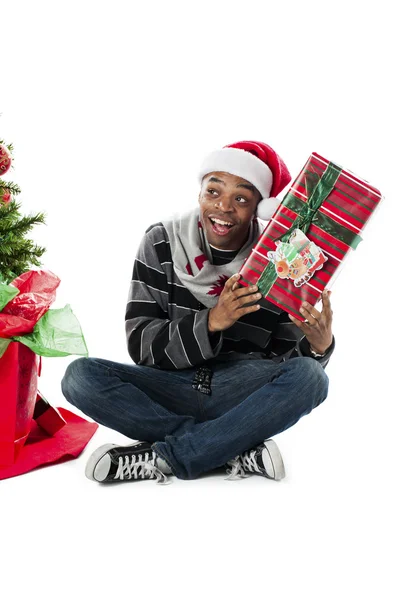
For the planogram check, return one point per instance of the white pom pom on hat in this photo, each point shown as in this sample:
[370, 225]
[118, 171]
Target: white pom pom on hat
[266, 208]
[256, 162]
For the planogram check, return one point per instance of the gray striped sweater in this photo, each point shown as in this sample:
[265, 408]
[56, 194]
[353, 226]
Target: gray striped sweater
[167, 327]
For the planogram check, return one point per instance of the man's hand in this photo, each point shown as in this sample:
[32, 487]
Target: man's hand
[318, 326]
[230, 306]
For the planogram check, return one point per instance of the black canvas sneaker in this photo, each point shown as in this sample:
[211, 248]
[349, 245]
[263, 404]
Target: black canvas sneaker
[265, 460]
[111, 463]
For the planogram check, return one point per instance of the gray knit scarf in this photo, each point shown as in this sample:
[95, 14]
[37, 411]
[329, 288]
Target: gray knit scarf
[192, 258]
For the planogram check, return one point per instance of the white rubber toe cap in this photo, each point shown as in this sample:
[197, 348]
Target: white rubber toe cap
[99, 463]
[102, 468]
[272, 459]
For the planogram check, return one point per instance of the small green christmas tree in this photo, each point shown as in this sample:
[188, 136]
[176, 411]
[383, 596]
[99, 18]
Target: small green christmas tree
[17, 254]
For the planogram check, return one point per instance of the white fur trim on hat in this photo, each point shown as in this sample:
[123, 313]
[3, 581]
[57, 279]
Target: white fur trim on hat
[266, 208]
[241, 163]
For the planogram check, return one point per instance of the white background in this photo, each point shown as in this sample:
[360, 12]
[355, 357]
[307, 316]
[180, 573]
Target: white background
[111, 106]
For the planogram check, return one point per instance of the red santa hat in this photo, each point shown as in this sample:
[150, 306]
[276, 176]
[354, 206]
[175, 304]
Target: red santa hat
[256, 162]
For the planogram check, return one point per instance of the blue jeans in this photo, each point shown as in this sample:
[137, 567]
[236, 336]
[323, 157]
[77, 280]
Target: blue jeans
[251, 400]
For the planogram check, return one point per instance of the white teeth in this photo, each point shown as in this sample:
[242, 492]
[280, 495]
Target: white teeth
[220, 222]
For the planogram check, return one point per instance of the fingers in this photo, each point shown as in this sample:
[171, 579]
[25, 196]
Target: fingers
[245, 291]
[326, 303]
[235, 285]
[300, 324]
[326, 298]
[244, 297]
[317, 327]
[231, 281]
[310, 313]
[248, 294]
[247, 309]
[313, 316]
[245, 300]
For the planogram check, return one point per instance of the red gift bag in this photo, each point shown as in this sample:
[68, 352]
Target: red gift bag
[19, 370]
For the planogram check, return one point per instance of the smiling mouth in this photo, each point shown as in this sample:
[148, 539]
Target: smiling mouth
[220, 227]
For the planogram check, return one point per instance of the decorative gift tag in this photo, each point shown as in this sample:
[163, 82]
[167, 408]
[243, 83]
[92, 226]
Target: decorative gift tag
[297, 259]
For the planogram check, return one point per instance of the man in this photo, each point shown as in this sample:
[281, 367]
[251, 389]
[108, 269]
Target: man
[218, 370]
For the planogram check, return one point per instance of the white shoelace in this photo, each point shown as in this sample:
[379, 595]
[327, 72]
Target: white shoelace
[138, 468]
[241, 463]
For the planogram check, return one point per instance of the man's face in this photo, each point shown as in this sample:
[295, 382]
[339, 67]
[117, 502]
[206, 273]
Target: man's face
[227, 207]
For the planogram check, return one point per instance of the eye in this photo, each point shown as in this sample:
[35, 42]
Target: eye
[242, 198]
[210, 190]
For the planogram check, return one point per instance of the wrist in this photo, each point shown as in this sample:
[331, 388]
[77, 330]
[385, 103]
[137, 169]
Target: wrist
[211, 327]
[315, 350]
[316, 354]
[320, 350]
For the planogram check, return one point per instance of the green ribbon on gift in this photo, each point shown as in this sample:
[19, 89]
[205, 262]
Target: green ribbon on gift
[318, 189]
[57, 333]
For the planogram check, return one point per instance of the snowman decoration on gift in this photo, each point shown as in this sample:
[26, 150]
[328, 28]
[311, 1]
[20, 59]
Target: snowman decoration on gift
[297, 259]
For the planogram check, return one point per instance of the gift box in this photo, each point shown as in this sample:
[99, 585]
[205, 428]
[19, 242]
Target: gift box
[18, 388]
[309, 236]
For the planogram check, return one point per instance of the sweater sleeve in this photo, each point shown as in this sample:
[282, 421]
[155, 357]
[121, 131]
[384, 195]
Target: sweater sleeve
[153, 338]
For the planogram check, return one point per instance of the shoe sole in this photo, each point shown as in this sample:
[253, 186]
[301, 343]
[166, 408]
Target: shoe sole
[94, 459]
[276, 460]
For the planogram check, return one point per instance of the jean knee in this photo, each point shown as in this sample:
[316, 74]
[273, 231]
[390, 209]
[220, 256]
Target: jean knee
[311, 373]
[72, 379]
[317, 375]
